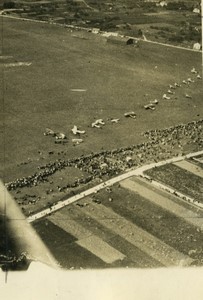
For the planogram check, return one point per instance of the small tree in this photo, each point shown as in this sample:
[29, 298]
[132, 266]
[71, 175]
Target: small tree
[140, 33]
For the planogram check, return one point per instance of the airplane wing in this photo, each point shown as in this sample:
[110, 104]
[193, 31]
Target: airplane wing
[19, 243]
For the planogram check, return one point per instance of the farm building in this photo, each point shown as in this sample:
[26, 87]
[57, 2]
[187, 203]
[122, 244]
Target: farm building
[95, 30]
[132, 41]
[122, 40]
[109, 34]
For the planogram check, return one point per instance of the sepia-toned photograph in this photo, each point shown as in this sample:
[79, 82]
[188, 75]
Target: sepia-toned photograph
[101, 128]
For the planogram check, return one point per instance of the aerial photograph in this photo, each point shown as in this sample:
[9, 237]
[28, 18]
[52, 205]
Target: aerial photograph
[101, 129]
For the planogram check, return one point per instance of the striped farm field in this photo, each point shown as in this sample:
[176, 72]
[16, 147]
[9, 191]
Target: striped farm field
[124, 228]
[180, 179]
[188, 166]
[162, 200]
[63, 247]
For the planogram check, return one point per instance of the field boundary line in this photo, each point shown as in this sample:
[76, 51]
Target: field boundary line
[134, 172]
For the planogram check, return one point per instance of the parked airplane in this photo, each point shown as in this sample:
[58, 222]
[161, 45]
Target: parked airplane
[149, 106]
[49, 131]
[77, 141]
[75, 130]
[60, 136]
[130, 114]
[155, 101]
[115, 120]
[193, 71]
[98, 123]
[177, 84]
[166, 97]
[188, 96]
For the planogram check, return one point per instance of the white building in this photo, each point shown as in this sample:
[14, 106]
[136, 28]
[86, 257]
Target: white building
[197, 46]
[163, 3]
[196, 10]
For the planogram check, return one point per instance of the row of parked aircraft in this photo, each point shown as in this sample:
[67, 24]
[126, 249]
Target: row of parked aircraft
[99, 123]
[77, 132]
[171, 90]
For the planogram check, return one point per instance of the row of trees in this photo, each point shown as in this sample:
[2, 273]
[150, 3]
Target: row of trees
[8, 5]
[183, 5]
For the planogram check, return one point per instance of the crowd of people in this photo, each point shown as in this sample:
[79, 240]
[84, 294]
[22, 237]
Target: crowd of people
[183, 133]
[160, 144]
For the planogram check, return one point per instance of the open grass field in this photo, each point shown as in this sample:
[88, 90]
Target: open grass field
[114, 79]
[117, 79]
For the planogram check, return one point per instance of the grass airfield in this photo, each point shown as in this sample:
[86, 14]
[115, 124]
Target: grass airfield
[117, 78]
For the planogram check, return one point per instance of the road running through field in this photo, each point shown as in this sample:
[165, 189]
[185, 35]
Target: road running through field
[168, 45]
[88, 29]
[110, 182]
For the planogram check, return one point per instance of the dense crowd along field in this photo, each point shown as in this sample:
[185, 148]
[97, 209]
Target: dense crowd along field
[107, 164]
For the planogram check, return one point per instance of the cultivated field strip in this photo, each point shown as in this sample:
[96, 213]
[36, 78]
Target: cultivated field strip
[68, 253]
[179, 180]
[137, 185]
[137, 257]
[87, 240]
[167, 227]
[148, 243]
[101, 249]
[186, 165]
